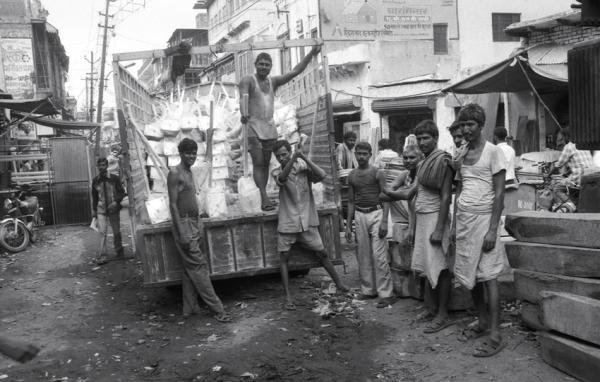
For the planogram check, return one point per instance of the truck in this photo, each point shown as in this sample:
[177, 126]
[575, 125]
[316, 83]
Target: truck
[240, 244]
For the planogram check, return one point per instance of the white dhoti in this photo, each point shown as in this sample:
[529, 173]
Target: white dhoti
[429, 259]
[472, 265]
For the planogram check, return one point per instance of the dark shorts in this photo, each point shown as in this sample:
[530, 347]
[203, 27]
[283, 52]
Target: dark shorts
[255, 143]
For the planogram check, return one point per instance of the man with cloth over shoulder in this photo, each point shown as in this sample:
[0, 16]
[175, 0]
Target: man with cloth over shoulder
[433, 188]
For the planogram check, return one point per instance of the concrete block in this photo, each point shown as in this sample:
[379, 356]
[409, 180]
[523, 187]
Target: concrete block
[529, 285]
[578, 359]
[576, 316]
[554, 259]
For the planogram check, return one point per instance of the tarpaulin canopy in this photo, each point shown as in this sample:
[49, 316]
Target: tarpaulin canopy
[43, 106]
[60, 124]
[511, 75]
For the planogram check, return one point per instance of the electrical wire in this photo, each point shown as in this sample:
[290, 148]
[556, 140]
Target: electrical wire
[430, 93]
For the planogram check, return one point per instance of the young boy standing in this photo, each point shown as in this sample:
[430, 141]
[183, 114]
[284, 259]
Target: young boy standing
[365, 183]
[479, 204]
[298, 219]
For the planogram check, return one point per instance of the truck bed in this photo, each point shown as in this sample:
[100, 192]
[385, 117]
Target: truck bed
[237, 247]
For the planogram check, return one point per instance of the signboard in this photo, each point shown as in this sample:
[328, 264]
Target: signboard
[391, 20]
[17, 60]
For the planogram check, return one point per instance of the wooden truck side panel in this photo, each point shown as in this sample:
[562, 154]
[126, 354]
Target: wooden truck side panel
[243, 246]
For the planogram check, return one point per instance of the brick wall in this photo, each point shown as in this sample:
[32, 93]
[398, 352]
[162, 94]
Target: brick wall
[564, 35]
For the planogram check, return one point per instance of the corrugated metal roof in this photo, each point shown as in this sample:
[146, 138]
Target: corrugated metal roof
[549, 54]
[524, 28]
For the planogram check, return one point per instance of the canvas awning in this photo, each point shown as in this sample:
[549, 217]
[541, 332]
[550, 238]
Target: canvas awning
[43, 106]
[60, 124]
[510, 75]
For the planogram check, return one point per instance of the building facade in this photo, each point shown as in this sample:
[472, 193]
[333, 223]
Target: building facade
[33, 60]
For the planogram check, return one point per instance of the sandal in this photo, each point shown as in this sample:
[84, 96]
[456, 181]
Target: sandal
[472, 333]
[267, 207]
[101, 260]
[425, 316]
[385, 302]
[222, 317]
[489, 348]
[437, 325]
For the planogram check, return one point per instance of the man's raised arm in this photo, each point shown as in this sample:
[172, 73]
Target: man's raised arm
[287, 77]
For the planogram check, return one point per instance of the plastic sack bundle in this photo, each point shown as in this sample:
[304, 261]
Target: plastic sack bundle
[249, 195]
[152, 131]
[158, 209]
[216, 203]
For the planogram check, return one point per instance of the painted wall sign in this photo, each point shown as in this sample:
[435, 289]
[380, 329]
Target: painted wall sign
[392, 20]
[17, 60]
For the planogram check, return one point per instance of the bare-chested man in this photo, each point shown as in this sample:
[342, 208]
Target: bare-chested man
[187, 230]
[258, 115]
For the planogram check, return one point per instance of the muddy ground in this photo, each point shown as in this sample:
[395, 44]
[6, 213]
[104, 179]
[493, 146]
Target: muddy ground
[99, 324]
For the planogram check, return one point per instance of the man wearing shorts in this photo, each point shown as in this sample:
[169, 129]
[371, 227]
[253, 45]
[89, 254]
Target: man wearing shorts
[257, 115]
[479, 252]
[298, 219]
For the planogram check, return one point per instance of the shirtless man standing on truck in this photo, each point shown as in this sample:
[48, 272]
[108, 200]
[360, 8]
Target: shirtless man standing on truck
[257, 114]
[187, 230]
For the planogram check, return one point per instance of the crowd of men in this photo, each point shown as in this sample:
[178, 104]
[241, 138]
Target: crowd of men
[463, 244]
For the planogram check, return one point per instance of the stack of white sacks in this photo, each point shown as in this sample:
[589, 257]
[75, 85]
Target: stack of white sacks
[219, 181]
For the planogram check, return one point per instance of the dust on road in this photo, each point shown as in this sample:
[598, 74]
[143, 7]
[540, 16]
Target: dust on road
[99, 324]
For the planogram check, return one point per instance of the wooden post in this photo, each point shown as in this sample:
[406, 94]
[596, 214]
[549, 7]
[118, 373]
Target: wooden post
[244, 112]
[209, 143]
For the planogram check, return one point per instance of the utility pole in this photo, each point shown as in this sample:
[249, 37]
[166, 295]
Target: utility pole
[106, 27]
[90, 78]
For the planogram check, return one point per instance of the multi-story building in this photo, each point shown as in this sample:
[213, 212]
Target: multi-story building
[231, 21]
[33, 60]
[388, 60]
[155, 73]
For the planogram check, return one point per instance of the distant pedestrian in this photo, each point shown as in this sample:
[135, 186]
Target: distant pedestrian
[460, 146]
[385, 154]
[298, 219]
[364, 207]
[576, 162]
[188, 234]
[500, 135]
[345, 152]
[402, 212]
[479, 252]
[107, 194]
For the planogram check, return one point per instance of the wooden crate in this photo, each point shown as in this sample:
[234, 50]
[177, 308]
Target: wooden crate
[237, 247]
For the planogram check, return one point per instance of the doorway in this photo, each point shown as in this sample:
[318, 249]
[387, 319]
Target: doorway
[402, 124]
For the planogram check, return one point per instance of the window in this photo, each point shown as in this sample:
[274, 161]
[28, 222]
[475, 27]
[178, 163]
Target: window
[440, 38]
[500, 21]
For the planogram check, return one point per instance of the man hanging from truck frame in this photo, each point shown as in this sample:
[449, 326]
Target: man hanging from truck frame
[257, 115]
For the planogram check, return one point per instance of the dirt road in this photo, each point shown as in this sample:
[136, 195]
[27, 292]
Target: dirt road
[98, 324]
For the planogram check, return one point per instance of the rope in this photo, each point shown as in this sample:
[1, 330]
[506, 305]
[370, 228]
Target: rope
[537, 94]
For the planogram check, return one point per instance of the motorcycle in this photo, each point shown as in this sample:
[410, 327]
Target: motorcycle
[548, 199]
[19, 227]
